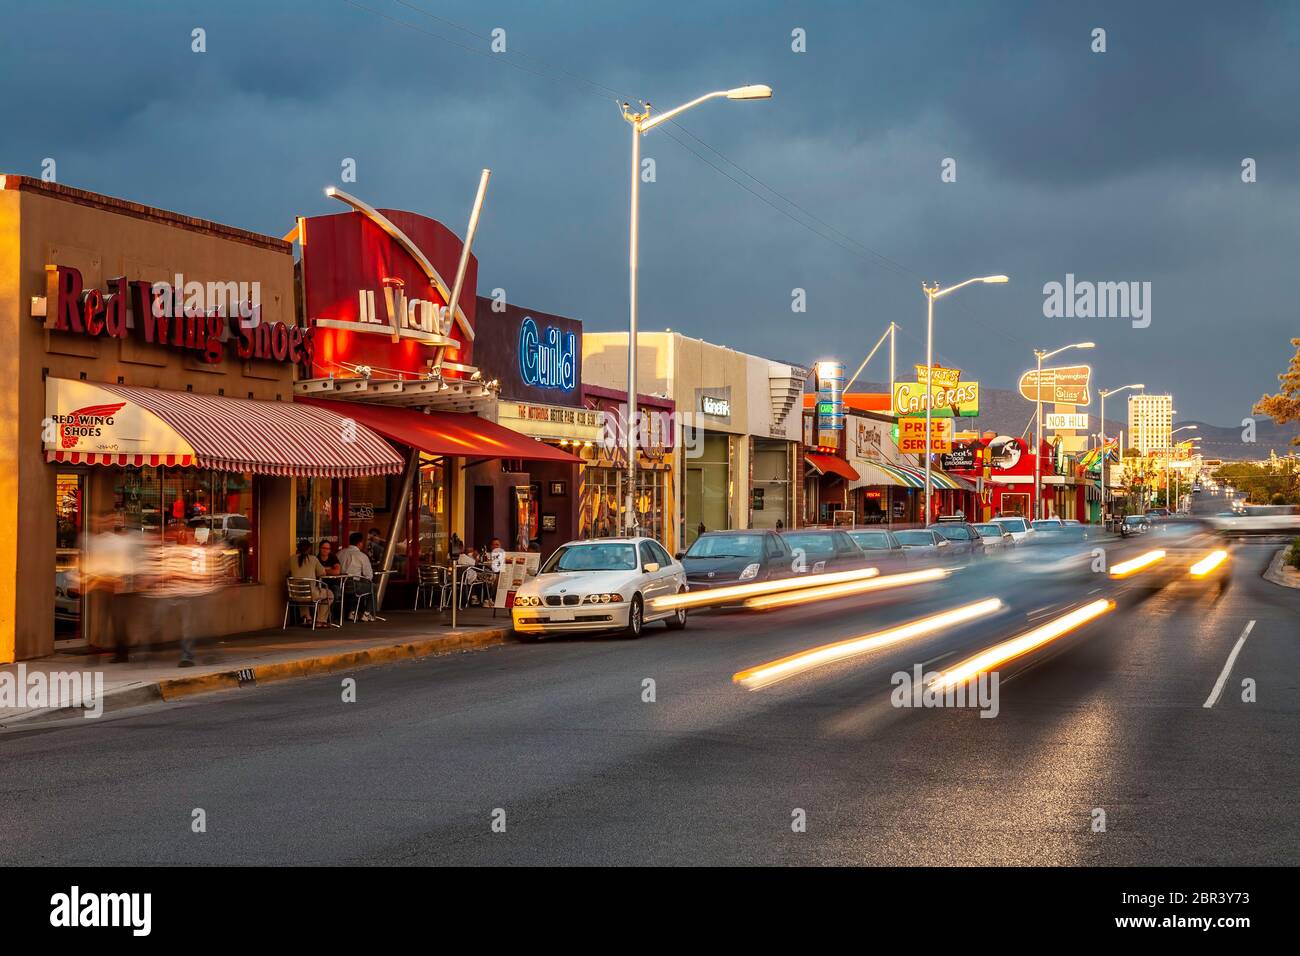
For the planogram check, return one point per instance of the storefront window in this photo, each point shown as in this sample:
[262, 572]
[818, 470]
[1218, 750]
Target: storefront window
[708, 487]
[209, 509]
[600, 503]
[771, 492]
[315, 510]
[431, 516]
[69, 506]
[368, 505]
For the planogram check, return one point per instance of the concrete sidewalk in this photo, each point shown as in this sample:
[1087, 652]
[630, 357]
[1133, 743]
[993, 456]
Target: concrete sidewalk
[238, 660]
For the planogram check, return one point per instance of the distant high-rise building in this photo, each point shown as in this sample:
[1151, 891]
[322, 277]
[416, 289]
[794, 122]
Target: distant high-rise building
[1150, 422]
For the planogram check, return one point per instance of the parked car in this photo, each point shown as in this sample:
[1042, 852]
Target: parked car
[1046, 524]
[600, 585]
[997, 538]
[881, 547]
[966, 542]
[824, 549]
[221, 527]
[923, 547]
[733, 557]
[1020, 528]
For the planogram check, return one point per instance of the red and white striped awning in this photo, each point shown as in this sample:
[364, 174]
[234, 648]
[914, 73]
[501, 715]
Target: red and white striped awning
[160, 427]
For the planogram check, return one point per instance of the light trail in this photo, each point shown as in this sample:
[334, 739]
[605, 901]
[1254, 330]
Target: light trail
[1023, 644]
[729, 592]
[824, 592]
[1134, 565]
[1208, 563]
[773, 671]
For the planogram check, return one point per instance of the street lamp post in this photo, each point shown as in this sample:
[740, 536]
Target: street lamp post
[1039, 354]
[933, 292]
[642, 123]
[1169, 459]
[1104, 393]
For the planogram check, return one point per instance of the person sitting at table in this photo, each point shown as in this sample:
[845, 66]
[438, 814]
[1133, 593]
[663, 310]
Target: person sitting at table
[328, 559]
[467, 564]
[304, 564]
[354, 564]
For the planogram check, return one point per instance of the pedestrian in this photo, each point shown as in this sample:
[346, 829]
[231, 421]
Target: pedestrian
[780, 525]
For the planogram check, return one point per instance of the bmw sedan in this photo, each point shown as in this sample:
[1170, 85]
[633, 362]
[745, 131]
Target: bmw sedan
[601, 585]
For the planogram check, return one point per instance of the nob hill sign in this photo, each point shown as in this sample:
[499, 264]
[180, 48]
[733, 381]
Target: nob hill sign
[190, 316]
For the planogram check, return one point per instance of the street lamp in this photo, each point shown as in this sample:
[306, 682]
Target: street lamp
[1104, 393]
[933, 292]
[641, 123]
[1169, 457]
[1038, 446]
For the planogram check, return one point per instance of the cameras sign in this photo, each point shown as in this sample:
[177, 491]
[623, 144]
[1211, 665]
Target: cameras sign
[940, 388]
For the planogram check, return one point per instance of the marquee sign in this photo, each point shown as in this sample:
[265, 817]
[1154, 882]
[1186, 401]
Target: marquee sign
[165, 315]
[1067, 385]
[912, 436]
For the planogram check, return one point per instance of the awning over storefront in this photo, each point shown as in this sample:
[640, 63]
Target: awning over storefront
[102, 424]
[445, 433]
[911, 477]
[874, 474]
[832, 465]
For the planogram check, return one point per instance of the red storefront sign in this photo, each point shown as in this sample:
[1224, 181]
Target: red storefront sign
[376, 284]
[158, 320]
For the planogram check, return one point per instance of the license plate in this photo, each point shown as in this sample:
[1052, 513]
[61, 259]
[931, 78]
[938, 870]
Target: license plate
[561, 616]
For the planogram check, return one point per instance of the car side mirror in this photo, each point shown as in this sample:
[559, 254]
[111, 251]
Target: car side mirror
[652, 567]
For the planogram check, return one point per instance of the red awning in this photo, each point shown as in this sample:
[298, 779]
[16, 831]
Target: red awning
[238, 434]
[445, 433]
[832, 465]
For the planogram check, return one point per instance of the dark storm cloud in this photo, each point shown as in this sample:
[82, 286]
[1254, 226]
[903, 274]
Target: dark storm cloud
[1115, 166]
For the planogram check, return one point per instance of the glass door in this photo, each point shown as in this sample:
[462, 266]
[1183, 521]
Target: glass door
[70, 532]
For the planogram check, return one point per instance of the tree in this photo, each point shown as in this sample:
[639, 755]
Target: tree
[1284, 407]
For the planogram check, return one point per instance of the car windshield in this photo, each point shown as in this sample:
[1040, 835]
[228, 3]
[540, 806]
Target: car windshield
[593, 557]
[1014, 524]
[871, 540]
[810, 542]
[989, 530]
[727, 546]
[1133, 519]
[953, 532]
[1046, 524]
[914, 537]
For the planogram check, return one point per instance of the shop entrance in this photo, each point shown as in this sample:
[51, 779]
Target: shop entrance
[708, 488]
[1015, 505]
[69, 556]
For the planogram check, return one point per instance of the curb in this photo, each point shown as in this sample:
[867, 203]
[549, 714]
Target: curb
[1276, 575]
[176, 688]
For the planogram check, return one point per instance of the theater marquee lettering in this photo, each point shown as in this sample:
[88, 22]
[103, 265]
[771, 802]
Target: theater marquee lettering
[160, 319]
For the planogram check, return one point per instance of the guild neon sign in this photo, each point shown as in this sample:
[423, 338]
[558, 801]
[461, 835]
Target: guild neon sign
[547, 358]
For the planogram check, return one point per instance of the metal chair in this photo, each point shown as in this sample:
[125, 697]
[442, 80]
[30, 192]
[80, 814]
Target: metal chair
[302, 593]
[350, 589]
[433, 579]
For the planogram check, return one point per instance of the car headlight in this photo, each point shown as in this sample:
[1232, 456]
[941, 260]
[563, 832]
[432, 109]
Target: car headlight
[751, 571]
[528, 600]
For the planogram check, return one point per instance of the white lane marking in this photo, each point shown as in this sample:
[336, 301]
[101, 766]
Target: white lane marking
[1227, 667]
[939, 658]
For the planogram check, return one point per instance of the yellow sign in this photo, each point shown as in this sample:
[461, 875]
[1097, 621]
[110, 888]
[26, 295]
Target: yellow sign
[910, 398]
[938, 376]
[1067, 385]
[911, 436]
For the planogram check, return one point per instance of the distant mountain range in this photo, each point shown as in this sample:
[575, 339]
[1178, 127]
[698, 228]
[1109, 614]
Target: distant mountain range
[1006, 412]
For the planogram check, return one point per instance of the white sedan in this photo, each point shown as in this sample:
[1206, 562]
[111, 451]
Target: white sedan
[600, 585]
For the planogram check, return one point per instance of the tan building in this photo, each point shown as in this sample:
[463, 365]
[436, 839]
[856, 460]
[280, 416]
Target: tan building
[145, 411]
[1150, 423]
[737, 426]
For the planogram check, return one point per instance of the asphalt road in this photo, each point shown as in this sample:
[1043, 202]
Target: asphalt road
[557, 736]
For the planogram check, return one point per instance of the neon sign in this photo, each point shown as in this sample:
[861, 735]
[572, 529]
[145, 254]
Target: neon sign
[547, 359]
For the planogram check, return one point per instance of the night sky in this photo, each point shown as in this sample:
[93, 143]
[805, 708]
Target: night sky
[1117, 166]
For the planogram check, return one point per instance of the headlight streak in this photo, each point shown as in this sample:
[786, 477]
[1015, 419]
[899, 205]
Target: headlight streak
[1134, 565]
[1208, 563]
[1023, 643]
[722, 595]
[764, 675]
[827, 591]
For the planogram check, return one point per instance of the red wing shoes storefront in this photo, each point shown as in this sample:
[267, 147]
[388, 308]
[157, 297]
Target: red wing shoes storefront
[179, 382]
